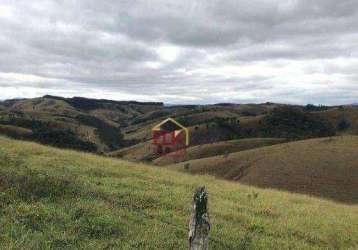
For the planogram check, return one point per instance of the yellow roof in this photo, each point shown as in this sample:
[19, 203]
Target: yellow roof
[158, 127]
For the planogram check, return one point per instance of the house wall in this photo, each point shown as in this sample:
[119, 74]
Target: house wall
[167, 142]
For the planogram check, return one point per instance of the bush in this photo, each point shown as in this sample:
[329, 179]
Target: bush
[311, 107]
[230, 123]
[23, 122]
[343, 124]
[109, 135]
[292, 122]
[62, 138]
[15, 132]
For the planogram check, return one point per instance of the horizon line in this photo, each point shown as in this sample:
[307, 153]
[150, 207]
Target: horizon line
[180, 104]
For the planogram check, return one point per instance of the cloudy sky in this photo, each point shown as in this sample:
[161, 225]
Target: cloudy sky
[187, 51]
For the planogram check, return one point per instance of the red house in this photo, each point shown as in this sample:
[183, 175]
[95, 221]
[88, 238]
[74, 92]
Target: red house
[170, 136]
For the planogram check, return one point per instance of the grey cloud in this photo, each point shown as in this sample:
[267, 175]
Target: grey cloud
[113, 46]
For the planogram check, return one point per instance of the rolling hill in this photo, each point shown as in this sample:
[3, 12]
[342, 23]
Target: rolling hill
[336, 115]
[145, 152]
[62, 199]
[218, 148]
[325, 167]
[80, 123]
[104, 126]
[139, 152]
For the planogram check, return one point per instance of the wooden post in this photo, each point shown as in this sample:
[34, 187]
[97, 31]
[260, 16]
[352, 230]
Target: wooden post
[199, 225]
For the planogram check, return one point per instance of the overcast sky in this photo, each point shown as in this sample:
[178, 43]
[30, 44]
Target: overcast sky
[187, 51]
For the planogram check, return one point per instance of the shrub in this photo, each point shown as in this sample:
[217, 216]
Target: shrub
[293, 122]
[230, 123]
[343, 124]
[311, 107]
[109, 135]
[62, 138]
[15, 132]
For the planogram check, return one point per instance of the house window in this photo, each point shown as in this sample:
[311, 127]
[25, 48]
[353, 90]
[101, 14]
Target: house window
[168, 138]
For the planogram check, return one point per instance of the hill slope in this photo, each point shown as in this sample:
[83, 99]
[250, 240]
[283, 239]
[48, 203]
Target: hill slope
[143, 151]
[105, 126]
[348, 113]
[57, 199]
[71, 122]
[218, 148]
[324, 167]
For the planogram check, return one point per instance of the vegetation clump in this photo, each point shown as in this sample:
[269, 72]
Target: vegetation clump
[312, 107]
[344, 124]
[65, 138]
[292, 122]
[110, 135]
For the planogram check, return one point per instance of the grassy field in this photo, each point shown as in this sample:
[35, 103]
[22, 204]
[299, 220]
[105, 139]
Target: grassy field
[61, 199]
[139, 152]
[219, 148]
[325, 167]
[349, 113]
[14, 131]
[145, 151]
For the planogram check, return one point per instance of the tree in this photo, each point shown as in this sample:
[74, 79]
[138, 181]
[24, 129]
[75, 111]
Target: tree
[293, 122]
[343, 124]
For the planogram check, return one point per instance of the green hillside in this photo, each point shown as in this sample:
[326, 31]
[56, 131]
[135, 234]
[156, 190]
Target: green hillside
[218, 148]
[143, 151]
[113, 127]
[78, 123]
[347, 113]
[325, 167]
[61, 199]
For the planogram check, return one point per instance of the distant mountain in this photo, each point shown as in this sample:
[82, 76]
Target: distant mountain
[103, 126]
[90, 103]
[79, 123]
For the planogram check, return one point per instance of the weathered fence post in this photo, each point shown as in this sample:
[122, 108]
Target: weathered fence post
[199, 225]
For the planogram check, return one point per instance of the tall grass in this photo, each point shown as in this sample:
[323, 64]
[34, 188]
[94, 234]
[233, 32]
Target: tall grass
[58, 199]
